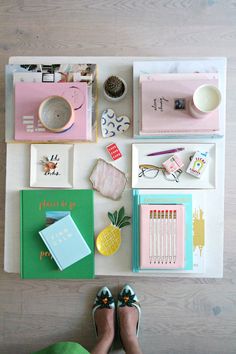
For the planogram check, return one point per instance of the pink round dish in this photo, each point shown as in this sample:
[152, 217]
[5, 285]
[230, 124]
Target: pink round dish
[56, 114]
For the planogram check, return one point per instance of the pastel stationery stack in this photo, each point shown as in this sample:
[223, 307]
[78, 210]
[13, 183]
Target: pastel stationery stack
[75, 76]
[164, 104]
[28, 97]
[74, 238]
[162, 232]
[65, 242]
[204, 70]
[162, 236]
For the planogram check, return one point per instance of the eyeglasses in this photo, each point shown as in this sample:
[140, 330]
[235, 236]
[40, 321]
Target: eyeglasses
[152, 171]
[149, 171]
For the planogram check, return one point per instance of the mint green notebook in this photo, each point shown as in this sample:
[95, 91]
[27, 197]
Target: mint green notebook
[65, 242]
[36, 259]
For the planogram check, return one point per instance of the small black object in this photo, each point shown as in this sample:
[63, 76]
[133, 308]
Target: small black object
[180, 103]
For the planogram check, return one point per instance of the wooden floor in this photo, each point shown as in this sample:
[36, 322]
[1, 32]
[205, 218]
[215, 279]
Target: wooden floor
[179, 315]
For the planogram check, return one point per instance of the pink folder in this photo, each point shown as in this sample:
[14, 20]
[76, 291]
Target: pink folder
[158, 93]
[162, 236]
[28, 97]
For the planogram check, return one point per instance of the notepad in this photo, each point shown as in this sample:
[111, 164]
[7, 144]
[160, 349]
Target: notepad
[162, 236]
[164, 103]
[29, 96]
[65, 242]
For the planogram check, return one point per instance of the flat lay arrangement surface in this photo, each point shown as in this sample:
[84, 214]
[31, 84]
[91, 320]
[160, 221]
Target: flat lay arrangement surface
[184, 310]
[182, 164]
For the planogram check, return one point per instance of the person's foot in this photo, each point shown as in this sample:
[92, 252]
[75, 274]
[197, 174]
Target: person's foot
[128, 320]
[104, 321]
[128, 311]
[104, 317]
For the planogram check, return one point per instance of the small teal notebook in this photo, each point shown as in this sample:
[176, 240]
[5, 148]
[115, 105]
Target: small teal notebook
[65, 242]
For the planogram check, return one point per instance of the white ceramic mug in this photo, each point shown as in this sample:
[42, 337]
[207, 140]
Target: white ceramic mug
[206, 99]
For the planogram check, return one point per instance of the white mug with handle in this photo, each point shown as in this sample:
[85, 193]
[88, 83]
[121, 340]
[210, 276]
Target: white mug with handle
[205, 100]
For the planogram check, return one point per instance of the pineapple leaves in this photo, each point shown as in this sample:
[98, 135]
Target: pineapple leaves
[123, 224]
[121, 214]
[125, 219]
[115, 217]
[111, 217]
[119, 219]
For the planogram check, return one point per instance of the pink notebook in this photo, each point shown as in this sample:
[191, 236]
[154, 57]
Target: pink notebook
[28, 97]
[162, 236]
[163, 97]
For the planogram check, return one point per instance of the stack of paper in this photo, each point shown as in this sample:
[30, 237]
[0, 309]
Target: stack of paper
[165, 102]
[28, 85]
[67, 244]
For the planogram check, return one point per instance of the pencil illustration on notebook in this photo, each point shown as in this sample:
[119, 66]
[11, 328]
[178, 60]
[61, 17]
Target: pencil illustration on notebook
[158, 236]
[170, 237]
[154, 236]
[162, 236]
[166, 237]
[174, 236]
[150, 235]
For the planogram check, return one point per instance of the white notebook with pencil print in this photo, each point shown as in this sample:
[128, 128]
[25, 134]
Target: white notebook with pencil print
[162, 236]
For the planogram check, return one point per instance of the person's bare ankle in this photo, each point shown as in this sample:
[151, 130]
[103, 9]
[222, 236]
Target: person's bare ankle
[105, 325]
[128, 323]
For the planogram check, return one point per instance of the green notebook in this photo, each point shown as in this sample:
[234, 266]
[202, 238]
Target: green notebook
[36, 261]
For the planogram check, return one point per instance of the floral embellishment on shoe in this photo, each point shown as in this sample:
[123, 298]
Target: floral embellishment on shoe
[126, 298]
[104, 300]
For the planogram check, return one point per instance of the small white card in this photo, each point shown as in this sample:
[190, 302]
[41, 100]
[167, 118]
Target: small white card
[198, 164]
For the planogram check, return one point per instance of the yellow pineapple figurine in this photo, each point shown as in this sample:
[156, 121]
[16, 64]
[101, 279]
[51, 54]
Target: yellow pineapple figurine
[108, 240]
